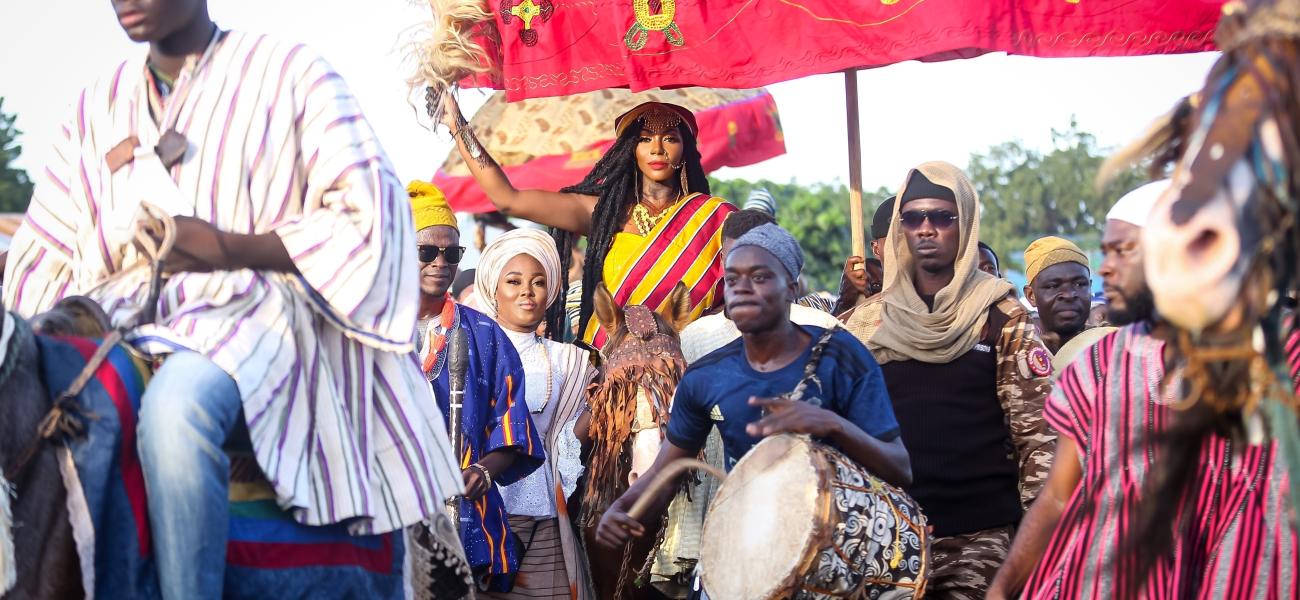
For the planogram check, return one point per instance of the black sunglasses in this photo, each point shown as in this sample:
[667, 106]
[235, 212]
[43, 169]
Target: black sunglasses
[429, 254]
[940, 219]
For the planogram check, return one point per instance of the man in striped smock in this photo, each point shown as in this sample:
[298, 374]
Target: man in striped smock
[292, 292]
[1077, 541]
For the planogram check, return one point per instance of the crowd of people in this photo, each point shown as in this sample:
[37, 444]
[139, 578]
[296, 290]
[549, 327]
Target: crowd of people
[314, 303]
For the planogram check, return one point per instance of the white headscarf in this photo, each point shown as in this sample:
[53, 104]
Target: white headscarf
[532, 242]
[1135, 207]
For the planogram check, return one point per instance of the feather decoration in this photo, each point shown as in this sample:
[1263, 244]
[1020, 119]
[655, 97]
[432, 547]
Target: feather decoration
[461, 42]
[1162, 143]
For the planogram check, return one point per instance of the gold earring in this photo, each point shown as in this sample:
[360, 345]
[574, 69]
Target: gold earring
[686, 184]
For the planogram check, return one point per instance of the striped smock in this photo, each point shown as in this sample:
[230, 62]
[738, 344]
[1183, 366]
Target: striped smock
[342, 420]
[1239, 544]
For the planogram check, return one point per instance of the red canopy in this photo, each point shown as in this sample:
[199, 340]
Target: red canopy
[731, 135]
[559, 47]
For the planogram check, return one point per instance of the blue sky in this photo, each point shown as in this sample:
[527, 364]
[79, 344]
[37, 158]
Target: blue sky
[910, 112]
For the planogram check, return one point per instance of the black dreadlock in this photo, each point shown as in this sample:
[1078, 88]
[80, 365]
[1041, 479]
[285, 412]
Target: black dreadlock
[614, 181]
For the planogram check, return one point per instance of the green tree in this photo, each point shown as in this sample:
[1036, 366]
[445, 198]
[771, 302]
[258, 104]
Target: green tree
[15, 187]
[1026, 194]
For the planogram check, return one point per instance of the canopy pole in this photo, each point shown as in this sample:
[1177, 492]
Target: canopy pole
[855, 163]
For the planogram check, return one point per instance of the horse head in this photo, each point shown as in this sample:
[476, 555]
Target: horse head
[1222, 243]
[1221, 248]
[642, 364]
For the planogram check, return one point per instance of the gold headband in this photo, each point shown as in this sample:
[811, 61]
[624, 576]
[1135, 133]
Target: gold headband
[659, 119]
[656, 117]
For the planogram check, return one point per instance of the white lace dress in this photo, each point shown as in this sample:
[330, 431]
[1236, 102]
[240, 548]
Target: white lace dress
[544, 379]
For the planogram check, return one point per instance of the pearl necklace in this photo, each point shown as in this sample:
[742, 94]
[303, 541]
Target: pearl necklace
[520, 340]
[550, 374]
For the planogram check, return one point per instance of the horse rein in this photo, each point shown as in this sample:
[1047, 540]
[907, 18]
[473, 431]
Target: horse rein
[64, 417]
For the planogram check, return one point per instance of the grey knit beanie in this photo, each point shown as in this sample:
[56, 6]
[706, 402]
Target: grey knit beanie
[777, 241]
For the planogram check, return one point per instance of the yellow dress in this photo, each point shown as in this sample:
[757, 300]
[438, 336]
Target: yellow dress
[685, 246]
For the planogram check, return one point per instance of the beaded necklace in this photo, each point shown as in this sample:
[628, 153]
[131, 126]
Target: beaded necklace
[436, 342]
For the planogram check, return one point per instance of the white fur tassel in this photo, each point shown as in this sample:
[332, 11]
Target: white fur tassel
[8, 563]
[454, 48]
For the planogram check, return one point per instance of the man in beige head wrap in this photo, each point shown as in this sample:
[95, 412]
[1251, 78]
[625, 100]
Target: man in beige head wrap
[1060, 284]
[967, 375]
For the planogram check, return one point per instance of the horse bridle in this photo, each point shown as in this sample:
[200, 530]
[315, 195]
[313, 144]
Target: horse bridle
[64, 418]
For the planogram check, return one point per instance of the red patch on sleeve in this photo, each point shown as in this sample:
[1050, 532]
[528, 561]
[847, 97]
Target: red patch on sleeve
[1040, 362]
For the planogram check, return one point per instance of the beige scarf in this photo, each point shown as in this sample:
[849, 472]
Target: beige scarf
[910, 330]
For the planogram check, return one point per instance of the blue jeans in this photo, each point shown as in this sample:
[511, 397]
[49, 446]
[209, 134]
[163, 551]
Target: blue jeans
[188, 409]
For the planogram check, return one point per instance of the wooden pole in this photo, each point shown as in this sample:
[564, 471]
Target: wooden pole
[855, 163]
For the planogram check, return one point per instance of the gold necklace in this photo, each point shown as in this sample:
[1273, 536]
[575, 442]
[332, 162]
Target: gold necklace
[645, 221]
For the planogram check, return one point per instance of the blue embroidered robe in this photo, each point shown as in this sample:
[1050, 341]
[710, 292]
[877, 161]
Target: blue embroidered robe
[494, 416]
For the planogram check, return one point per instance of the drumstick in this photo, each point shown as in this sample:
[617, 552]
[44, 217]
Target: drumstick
[668, 473]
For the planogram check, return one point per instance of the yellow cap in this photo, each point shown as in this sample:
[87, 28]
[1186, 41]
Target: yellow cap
[1049, 251]
[429, 206]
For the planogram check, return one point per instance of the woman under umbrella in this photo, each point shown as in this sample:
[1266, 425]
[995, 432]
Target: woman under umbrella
[645, 208]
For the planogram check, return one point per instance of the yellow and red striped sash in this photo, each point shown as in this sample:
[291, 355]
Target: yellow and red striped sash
[686, 246]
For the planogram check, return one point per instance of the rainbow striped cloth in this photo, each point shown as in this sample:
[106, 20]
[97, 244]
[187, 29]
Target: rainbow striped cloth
[268, 553]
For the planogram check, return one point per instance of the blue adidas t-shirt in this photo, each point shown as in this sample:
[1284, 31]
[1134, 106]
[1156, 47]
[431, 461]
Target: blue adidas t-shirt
[716, 390]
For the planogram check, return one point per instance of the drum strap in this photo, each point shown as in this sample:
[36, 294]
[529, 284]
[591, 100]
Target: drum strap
[810, 369]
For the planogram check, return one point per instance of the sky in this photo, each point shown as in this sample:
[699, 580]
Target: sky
[910, 112]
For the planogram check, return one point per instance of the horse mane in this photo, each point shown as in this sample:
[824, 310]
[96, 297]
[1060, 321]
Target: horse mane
[651, 362]
[1159, 146]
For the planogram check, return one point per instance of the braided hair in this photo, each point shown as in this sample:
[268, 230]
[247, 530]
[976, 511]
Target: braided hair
[613, 180]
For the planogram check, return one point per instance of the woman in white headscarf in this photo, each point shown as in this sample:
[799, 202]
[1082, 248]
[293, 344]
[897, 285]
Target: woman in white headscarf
[517, 279]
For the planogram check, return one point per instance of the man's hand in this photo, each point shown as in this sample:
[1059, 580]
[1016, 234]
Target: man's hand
[475, 483]
[791, 416]
[855, 276]
[617, 527]
[861, 278]
[200, 247]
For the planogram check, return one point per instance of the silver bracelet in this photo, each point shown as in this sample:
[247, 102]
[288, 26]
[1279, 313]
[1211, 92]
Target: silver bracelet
[486, 474]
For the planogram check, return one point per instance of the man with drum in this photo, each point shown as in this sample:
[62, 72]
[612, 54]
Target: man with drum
[739, 387]
[967, 375]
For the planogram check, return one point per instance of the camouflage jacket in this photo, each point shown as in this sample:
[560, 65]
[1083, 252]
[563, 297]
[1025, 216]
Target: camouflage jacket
[1024, 380]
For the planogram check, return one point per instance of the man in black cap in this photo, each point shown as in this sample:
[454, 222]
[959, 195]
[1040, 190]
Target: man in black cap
[967, 376]
[863, 278]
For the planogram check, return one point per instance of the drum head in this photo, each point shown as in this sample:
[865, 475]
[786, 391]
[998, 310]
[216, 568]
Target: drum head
[760, 532]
